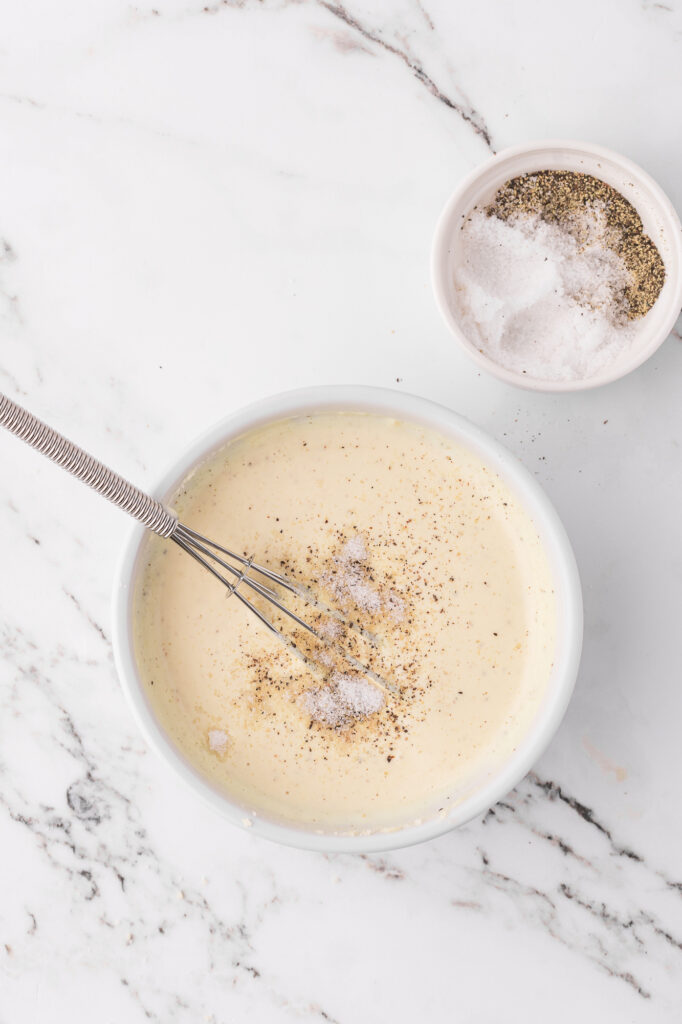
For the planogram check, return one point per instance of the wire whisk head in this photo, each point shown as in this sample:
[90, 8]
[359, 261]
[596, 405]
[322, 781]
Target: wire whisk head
[243, 576]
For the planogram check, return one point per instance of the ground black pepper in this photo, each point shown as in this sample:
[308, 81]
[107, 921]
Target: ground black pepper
[560, 196]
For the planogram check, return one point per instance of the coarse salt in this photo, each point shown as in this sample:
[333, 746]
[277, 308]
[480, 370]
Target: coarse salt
[346, 699]
[349, 581]
[330, 629]
[355, 549]
[217, 741]
[537, 301]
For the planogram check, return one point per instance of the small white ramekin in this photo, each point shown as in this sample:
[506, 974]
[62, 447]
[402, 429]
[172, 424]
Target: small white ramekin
[658, 215]
[567, 585]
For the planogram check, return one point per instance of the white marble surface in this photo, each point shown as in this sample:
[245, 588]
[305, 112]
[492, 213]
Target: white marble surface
[205, 202]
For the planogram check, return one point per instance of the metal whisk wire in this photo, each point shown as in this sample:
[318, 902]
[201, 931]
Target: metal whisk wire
[199, 547]
[162, 521]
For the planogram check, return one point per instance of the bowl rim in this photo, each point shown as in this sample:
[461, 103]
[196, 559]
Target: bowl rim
[567, 584]
[439, 260]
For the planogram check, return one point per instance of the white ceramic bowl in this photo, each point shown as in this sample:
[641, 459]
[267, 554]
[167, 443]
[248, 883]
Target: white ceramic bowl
[660, 222]
[567, 584]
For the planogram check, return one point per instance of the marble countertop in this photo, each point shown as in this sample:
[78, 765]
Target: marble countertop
[203, 203]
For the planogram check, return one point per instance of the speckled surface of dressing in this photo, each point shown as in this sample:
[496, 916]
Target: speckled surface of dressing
[464, 610]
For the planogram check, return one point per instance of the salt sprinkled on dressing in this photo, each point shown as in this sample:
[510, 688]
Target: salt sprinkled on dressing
[349, 580]
[217, 741]
[330, 629]
[347, 699]
[355, 549]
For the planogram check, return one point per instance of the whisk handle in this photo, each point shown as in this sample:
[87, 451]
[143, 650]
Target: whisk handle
[85, 467]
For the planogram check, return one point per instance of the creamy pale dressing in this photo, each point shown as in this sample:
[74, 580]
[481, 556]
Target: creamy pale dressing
[412, 537]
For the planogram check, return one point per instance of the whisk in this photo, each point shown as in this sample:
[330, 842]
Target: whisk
[234, 571]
